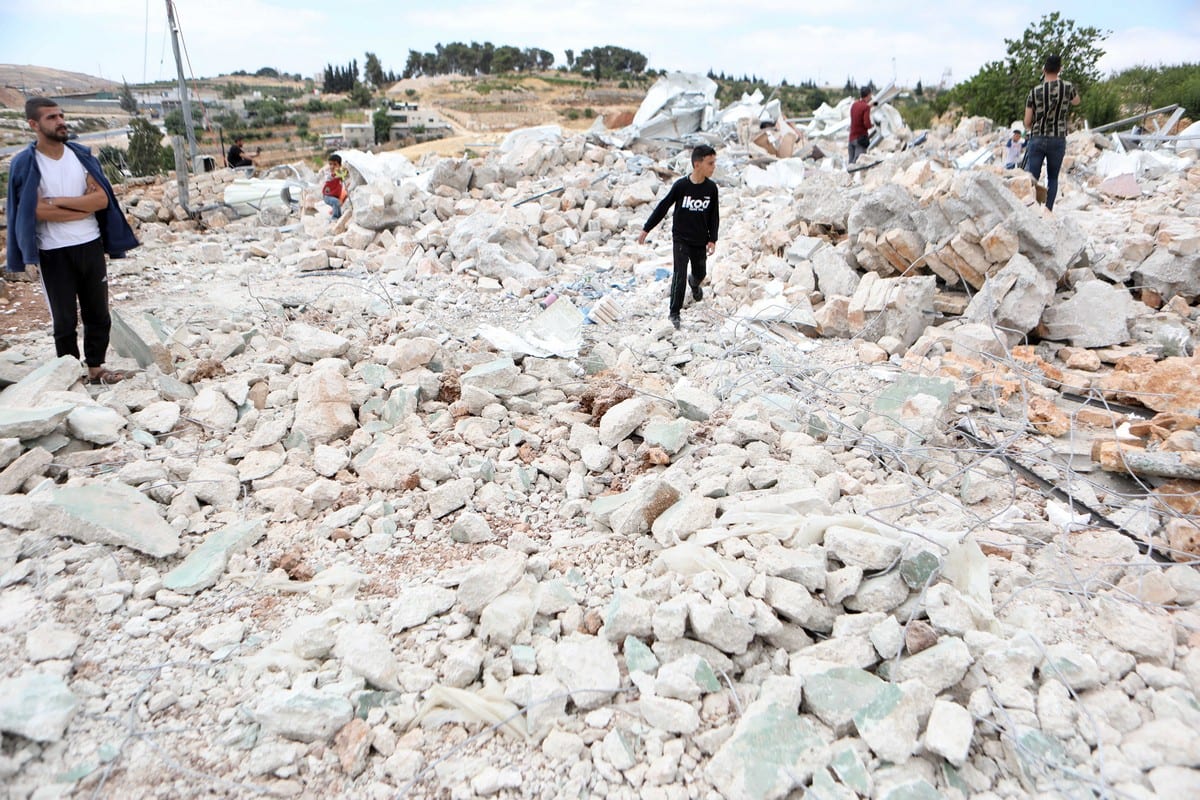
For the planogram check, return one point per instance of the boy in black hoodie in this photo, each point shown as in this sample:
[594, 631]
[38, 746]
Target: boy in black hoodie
[694, 229]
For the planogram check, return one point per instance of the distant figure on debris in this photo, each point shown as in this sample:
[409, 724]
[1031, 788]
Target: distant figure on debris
[860, 124]
[1012, 150]
[777, 137]
[694, 229]
[237, 155]
[334, 191]
[62, 219]
[1046, 109]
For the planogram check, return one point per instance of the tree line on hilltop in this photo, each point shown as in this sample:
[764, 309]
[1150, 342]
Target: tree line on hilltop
[459, 58]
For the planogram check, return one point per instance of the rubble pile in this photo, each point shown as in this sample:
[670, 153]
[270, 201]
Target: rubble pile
[333, 538]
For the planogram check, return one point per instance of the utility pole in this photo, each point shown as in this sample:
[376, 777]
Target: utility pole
[183, 89]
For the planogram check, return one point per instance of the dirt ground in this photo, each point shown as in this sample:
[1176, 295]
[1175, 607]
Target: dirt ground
[22, 309]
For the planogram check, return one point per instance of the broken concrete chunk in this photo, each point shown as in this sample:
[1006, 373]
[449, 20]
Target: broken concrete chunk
[367, 652]
[305, 715]
[623, 419]
[835, 696]
[890, 722]
[938, 667]
[323, 407]
[50, 641]
[112, 513]
[58, 375]
[205, 565]
[716, 625]
[856, 547]
[33, 462]
[693, 402]
[31, 423]
[586, 666]
[949, 732]
[36, 706]
[772, 750]
[899, 307]
[414, 606]
[1075, 319]
[96, 424]
[311, 344]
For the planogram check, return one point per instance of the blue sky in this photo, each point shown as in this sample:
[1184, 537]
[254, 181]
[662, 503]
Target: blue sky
[774, 39]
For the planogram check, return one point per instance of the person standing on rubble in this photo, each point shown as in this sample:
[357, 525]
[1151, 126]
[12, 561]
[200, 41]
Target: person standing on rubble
[860, 124]
[694, 228]
[1046, 109]
[62, 219]
[1012, 150]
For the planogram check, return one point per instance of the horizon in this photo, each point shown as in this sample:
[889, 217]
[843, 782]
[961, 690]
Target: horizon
[768, 39]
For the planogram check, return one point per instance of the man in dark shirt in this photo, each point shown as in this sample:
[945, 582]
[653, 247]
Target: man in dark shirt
[237, 155]
[1046, 109]
[860, 124]
[694, 229]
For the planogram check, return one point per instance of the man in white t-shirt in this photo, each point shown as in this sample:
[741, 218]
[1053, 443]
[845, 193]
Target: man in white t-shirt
[77, 222]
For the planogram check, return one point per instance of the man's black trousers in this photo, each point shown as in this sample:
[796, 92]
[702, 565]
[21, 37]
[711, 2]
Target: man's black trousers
[685, 253]
[76, 277]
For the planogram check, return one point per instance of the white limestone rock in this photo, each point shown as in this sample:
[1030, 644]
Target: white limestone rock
[36, 706]
[309, 344]
[667, 714]
[367, 652]
[582, 662]
[949, 732]
[158, 417]
[220, 634]
[450, 496]
[324, 410]
[623, 419]
[305, 715]
[628, 614]
[50, 641]
[96, 424]
[856, 547]
[511, 614]
[213, 410]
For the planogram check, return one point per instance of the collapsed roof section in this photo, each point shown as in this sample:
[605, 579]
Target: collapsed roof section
[682, 107]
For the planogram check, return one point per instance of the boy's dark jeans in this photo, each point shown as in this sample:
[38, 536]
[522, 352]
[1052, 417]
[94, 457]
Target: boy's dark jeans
[1050, 149]
[684, 253]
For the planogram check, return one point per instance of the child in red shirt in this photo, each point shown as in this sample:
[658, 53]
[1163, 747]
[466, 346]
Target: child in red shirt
[334, 191]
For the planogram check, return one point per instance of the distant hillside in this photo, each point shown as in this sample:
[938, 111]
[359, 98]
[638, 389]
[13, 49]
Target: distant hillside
[18, 78]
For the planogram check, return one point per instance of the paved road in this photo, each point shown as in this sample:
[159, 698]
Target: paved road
[118, 137]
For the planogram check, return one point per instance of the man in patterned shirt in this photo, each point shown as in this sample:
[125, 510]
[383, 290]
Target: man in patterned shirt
[1046, 110]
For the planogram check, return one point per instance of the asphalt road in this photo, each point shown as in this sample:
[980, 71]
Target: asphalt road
[118, 137]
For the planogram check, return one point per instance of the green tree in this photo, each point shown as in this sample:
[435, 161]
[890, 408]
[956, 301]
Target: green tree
[383, 125]
[1137, 85]
[147, 155]
[361, 95]
[174, 123]
[505, 59]
[373, 71]
[998, 90]
[128, 101]
[1102, 104]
